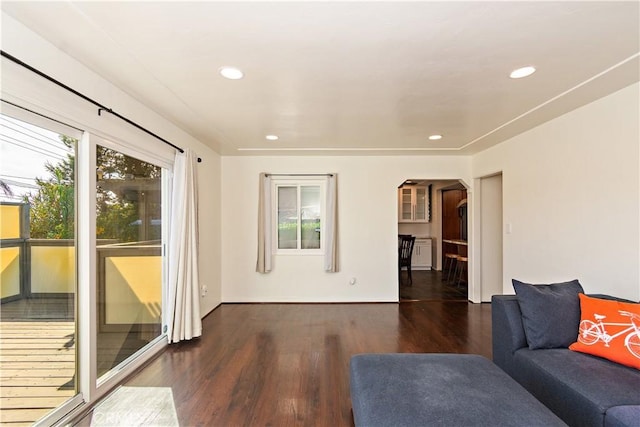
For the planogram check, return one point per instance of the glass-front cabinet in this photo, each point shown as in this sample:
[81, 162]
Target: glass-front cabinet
[413, 204]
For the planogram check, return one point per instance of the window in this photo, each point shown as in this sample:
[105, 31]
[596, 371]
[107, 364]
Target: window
[299, 214]
[297, 217]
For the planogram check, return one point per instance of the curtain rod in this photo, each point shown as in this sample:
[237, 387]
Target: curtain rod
[298, 174]
[101, 107]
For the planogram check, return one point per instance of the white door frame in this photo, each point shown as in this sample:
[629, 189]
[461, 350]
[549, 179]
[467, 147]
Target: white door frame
[487, 219]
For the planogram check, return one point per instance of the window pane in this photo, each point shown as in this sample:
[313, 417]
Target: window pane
[310, 217]
[129, 259]
[287, 218]
[406, 203]
[37, 270]
[421, 196]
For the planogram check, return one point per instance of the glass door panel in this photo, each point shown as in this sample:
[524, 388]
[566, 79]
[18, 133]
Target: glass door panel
[407, 204]
[37, 271]
[421, 205]
[129, 256]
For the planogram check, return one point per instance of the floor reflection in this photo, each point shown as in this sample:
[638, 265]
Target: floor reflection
[428, 285]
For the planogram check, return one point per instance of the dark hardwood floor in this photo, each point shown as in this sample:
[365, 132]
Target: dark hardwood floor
[428, 285]
[288, 364]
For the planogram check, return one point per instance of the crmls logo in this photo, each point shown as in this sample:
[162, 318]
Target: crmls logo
[107, 419]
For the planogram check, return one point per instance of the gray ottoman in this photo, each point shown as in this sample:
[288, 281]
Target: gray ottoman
[440, 389]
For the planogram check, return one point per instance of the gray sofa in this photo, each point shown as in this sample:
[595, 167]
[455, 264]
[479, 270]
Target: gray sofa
[582, 390]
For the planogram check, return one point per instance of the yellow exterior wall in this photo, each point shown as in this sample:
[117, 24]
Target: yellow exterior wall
[133, 289]
[9, 272]
[9, 222]
[53, 269]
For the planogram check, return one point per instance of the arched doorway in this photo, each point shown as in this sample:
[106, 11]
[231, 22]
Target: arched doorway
[422, 213]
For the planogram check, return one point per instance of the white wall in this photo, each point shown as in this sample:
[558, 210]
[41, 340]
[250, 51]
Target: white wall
[571, 191]
[367, 218]
[24, 88]
[209, 225]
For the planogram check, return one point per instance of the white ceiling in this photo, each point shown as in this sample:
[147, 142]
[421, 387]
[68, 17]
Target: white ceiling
[350, 77]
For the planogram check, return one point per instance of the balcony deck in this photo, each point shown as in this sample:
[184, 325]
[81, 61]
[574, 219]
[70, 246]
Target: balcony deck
[37, 358]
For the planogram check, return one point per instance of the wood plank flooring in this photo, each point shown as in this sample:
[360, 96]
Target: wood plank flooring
[428, 285]
[288, 364]
[37, 367]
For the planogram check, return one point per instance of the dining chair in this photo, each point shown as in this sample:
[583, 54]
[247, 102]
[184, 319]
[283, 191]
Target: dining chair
[405, 250]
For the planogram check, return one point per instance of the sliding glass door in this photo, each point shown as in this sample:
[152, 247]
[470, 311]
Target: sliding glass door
[82, 271]
[129, 263]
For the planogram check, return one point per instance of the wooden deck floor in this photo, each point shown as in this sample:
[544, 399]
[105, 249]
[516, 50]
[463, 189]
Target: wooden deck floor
[37, 366]
[37, 356]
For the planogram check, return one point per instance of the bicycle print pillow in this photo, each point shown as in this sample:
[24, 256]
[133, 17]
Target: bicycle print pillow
[609, 329]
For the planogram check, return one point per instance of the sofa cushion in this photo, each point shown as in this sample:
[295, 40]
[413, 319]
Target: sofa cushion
[623, 416]
[617, 338]
[550, 313]
[507, 331]
[578, 387]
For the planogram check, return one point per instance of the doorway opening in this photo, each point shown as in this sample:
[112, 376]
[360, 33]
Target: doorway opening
[434, 212]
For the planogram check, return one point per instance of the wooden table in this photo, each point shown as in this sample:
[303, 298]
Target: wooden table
[455, 242]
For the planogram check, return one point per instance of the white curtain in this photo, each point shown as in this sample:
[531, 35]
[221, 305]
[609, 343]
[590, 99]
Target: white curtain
[183, 309]
[263, 265]
[331, 226]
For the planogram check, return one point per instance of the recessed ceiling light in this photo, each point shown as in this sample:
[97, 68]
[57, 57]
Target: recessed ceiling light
[435, 137]
[231, 73]
[522, 72]
[272, 137]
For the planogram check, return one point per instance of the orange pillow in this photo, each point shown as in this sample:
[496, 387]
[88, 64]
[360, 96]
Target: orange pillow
[609, 329]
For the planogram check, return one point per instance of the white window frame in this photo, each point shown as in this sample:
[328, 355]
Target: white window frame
[298, 182]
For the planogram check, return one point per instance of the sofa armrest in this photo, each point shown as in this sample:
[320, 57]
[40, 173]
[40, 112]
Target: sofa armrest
[507, 330]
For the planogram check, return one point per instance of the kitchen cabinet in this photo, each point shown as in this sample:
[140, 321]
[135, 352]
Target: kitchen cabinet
[421, 257]
[413, 204]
